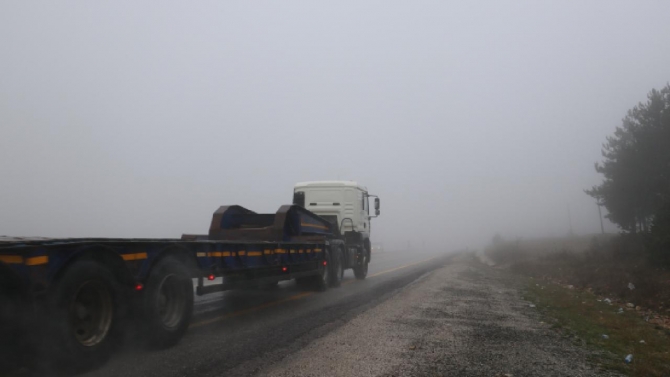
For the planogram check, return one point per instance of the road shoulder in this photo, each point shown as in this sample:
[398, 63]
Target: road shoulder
[464, 319]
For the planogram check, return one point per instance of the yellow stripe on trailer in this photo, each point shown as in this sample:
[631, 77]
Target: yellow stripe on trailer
[317, 250]
[11, 259]
[214, 254]
[36, 261]
[31, 261]
[254, 253]
[280, 251]
[136, 256]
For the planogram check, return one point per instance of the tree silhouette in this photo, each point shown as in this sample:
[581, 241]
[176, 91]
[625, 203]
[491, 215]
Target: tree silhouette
[636, 165]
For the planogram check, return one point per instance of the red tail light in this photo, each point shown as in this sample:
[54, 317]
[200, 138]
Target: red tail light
[139, 286]
[284, 269]
[211, 277]
[325, 263]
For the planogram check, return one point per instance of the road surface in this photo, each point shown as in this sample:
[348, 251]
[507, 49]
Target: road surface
[257, 328]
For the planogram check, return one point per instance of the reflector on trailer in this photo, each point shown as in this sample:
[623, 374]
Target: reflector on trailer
[139, 286]
[284, 269]
[325, 263]
[211, 277]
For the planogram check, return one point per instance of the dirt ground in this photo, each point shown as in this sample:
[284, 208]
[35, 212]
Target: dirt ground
[465, 319]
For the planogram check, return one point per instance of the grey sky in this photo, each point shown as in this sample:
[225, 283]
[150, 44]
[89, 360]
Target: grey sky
[127, 119]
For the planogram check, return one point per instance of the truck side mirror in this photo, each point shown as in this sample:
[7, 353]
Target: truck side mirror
[377, 204]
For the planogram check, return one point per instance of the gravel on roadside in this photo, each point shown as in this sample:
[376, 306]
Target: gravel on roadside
[464, 319]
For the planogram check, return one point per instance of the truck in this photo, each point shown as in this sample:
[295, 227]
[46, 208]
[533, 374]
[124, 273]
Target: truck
[345, 204]
[78, 297]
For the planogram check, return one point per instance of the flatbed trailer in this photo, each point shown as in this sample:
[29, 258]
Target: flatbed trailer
[78, 295]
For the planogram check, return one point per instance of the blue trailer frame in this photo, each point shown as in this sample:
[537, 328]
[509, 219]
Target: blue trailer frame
[244, 248]
[290, 246]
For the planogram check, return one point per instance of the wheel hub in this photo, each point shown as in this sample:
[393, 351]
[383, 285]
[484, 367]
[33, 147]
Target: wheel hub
[171, 301]
[91, 313]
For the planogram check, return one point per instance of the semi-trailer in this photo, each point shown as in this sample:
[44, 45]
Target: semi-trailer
[80, 295]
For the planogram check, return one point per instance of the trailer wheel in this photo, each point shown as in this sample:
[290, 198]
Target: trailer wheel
[83, 316]
[322, 280]
[168, 304]
[11, 312]
[337, 272]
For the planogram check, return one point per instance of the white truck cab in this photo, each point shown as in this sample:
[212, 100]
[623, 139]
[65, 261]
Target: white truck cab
[344, 203]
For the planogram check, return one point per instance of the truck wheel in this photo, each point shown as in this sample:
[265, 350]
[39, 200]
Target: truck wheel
[322, 280]
[11, 341]
[337, 266]
[168, 304]
[83, 315]
[361, 272]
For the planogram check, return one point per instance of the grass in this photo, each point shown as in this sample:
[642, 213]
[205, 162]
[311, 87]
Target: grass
[605, 266]
[580, 316]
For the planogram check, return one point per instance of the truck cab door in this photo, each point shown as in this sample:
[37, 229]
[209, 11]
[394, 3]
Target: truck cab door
[365, 214]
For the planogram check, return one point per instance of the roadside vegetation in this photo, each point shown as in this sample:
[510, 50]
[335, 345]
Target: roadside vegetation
[604, 294]
[616, 267]
[613, 285]
[588, 320]
[636, 167]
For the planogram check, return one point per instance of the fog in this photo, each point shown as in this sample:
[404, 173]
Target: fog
[126, 119]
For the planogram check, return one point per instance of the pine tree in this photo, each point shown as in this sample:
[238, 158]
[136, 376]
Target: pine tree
[636, 165]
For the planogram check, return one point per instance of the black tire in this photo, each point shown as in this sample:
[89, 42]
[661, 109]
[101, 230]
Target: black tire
[168, 303]
[11, 326]
[83, 317]
[337, 269]
[321, 281]
[361, 272]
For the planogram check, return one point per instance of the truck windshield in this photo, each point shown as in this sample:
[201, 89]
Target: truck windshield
[323, 197]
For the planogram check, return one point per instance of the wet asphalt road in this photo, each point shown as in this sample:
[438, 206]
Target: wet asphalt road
[256, 328]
